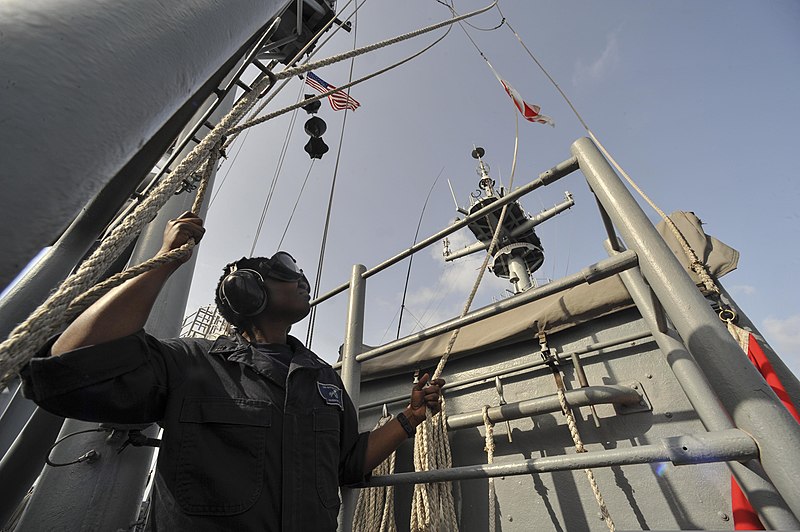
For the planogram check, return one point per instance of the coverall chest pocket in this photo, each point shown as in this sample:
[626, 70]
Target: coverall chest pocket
[326, 449]
[220, 468]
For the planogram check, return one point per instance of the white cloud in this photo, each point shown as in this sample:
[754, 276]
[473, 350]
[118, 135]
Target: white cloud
[600, 67]
[784, 333]
[784, 336]
[743, 289]
[444, 297]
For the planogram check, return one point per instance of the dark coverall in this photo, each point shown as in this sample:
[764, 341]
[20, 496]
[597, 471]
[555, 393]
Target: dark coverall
[248, 443]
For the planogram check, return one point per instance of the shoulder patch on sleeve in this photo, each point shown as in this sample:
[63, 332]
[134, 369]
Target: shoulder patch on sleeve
[331, 394]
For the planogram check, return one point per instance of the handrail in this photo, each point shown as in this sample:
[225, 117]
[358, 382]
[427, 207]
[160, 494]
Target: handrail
[519, 369]
[595, 272]
[722, 446]
[545, 178]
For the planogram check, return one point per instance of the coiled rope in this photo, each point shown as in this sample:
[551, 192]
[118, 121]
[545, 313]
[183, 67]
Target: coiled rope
[53, 314]
[432, 505]
[375, 507]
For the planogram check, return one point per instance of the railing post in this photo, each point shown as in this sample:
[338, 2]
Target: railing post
[351, 371]
[768, 503]
[745, 394]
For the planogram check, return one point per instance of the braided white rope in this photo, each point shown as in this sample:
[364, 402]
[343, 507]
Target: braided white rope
[375, 507]
[51, 315]
[576, 437]
[54, 313]
[433, 508]
[489, 448]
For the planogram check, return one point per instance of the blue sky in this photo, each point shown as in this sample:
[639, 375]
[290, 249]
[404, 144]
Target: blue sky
[696, 100]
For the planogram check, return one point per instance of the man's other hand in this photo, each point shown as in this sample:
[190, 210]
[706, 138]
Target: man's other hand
[423, 397]
[180, 230]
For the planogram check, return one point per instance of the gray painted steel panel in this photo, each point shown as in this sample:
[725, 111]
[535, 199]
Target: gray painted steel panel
[638, 496]
[67, 132]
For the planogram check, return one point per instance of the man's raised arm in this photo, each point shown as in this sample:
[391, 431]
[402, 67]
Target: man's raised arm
[125, 309]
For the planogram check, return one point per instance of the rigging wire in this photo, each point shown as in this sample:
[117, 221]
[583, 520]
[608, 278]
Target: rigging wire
[296, 57]
[270, 116]
[302, 188]
[228, 170]
[28, 336]
[318, 280]
[451, 7]
[278, 168]
[411, 258]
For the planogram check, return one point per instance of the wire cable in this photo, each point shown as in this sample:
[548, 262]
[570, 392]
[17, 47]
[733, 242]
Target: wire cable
[411, 258]
[86, 457]
[302, 188]
[318, 280]
[278, 168]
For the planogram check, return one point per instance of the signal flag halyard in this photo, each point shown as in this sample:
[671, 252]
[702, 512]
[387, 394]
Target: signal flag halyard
[529, 112]
[339, 100]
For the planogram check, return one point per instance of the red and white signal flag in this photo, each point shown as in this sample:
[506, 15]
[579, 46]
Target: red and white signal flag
[529, 112]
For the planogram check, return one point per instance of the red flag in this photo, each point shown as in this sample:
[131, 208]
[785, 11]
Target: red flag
[744, 516]
[529, 112]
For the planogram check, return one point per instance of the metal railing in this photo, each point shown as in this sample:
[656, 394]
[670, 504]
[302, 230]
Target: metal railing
[744, 426]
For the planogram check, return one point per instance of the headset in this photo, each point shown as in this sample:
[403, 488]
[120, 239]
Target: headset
[244, 291]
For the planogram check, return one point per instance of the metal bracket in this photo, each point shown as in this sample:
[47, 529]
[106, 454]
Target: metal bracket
[644, 404]
[549, 356]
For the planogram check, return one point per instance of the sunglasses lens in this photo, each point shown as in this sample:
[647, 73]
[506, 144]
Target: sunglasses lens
[285, 261]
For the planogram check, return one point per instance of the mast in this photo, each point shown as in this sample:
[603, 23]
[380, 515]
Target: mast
[520, 251]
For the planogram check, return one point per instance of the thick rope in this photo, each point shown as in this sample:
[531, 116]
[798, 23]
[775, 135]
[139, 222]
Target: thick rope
[433, 508]
[576, 437]
[432, 433]
[696, 264]
[49, 317]
[52, 315]
[74, 295]
[489, 448]
[288, 108]
[85, 300]
[375, 507]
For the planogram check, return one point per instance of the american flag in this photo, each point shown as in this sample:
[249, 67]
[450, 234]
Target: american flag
[339, 100]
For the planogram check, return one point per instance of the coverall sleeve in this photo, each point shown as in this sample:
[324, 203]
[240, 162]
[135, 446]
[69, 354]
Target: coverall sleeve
[122, 381]
[353, 449]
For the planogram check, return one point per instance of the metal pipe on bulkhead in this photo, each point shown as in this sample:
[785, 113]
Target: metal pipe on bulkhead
[588, 396]
[687, 449]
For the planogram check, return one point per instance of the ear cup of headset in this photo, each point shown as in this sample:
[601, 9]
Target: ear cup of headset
[244, 292]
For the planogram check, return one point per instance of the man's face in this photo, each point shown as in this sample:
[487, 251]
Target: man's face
[289, 300]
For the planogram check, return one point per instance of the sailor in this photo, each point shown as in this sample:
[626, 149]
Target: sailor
[258, 431]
